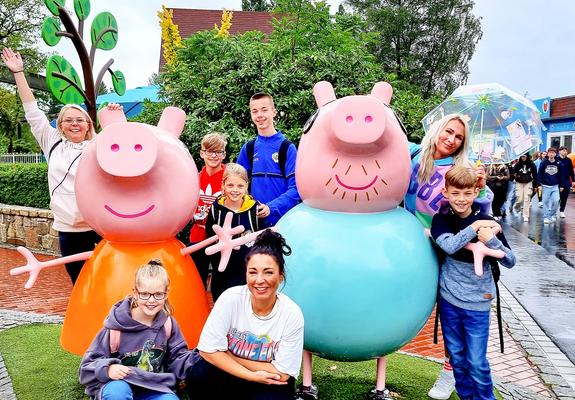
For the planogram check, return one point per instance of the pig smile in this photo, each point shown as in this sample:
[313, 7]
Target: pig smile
[355, 187]
[136, 215]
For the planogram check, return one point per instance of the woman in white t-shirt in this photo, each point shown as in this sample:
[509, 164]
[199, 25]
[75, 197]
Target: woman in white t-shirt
[252, 342]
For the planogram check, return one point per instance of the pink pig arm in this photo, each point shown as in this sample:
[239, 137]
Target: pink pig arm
[34, 266]
[225, 243]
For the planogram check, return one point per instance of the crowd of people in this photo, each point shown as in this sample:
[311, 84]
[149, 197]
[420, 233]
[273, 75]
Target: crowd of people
[252, 343]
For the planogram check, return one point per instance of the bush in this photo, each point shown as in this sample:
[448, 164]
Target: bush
[24, 185]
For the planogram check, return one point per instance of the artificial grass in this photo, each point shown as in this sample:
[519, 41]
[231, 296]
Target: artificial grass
[40, 369]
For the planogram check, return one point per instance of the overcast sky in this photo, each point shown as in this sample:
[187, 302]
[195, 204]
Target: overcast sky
[527, 45]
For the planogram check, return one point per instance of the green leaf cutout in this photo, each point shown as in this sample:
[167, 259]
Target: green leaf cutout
[104, 31]
[53, 5]
[50, 27]
[119, 82]
[82, 9]
[61, 87]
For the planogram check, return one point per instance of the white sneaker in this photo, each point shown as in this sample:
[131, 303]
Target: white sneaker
[546, 220]
[562, 214]
[540, 205]
[553, 218]
[525, 219]
[443, 386]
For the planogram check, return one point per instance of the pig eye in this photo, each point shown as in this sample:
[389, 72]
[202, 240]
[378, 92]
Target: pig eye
[114, 147]
[309, 123]
[138, 147]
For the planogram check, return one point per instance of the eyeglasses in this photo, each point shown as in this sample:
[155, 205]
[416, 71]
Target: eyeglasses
[70, 121]
[213, 153]
[147, 295]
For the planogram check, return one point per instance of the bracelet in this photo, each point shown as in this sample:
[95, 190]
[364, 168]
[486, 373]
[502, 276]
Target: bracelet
[15, 72]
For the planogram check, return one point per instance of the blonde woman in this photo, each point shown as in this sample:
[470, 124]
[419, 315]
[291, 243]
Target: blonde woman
[62, 146]
[446, 144]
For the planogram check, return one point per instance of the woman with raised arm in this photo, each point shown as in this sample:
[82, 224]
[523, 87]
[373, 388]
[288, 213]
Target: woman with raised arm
[62, 147]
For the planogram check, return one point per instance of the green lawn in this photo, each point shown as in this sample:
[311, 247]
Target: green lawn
[40, 369]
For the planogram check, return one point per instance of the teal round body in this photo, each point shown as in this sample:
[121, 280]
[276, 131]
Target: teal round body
[366, 283]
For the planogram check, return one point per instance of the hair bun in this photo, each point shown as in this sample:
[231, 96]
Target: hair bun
[271, 239]
[155, 261]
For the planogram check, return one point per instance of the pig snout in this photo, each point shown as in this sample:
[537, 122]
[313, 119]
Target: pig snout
[358, 120]
[127, 152]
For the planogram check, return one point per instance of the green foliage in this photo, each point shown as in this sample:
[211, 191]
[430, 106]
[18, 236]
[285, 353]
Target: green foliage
[104, 31]
[257, 5]
[119, 82]
[53, 5]
[24, 185]
[50, 27]
[214, 78]
[82, 9]
[427, 43]
[63, 81]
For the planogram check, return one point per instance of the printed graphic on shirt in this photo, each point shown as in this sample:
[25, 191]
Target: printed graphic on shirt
[276, 157]
[428, 196]
[252, 347]
[149, 358]
[551, 169]
[207, 197]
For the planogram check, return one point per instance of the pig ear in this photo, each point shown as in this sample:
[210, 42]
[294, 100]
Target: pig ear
[383, 91]
[323, 93]
[173, 120]
[107, 117]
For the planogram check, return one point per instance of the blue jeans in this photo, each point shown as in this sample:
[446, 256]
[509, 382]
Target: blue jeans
[121, 390]
[465, 334]
[550, 200]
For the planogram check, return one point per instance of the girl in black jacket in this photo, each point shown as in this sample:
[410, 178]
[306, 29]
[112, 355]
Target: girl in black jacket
[525, 174]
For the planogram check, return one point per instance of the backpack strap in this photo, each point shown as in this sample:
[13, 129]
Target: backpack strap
[416, 152]
[282, 156]
[250, 149]
[115, 335]
[114, 340]
[53, 147]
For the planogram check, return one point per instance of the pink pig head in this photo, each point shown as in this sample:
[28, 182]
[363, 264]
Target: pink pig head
[137, 182]
[354, 157]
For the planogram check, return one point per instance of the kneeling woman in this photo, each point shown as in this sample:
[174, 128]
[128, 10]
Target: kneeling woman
[252, 342]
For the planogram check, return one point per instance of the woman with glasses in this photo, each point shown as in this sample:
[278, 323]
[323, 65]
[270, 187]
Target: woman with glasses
[141, 352]
[62, 147]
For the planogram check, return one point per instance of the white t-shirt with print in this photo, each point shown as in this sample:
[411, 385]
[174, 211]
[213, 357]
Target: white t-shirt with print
[277, 338]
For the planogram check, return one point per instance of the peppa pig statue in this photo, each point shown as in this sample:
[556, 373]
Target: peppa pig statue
[362, 270]
[137, 186]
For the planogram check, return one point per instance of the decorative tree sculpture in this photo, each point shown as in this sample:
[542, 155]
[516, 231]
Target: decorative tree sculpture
[61, 78]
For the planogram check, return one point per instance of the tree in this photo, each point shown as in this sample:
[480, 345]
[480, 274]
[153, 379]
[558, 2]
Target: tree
[20, 22]
[427, 43]
[258, 5]
[61, 77]
[171, 39]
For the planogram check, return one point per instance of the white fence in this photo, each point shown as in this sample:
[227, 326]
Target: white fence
[31, 158]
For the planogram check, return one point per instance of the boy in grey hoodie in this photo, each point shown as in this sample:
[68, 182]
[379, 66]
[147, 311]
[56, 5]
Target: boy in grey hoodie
[141, 349]
[465, 297]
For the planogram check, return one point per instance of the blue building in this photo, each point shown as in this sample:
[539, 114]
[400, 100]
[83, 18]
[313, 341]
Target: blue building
[558, 116]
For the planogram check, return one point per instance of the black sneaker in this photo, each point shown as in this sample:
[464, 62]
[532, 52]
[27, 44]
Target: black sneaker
[378, 395]
[306, 392]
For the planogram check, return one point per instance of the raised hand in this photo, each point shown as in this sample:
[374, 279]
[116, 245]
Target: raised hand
[12, 60]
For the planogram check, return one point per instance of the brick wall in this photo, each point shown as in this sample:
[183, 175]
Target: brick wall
[28, 227]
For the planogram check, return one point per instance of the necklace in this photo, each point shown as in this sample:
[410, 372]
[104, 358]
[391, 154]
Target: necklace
[272, 313]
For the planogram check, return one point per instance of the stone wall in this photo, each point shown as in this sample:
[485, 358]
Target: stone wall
[28, 227]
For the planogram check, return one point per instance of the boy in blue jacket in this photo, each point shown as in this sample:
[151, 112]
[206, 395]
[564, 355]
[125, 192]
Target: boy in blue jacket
[465, 298]
[553, 180]
[272, 177]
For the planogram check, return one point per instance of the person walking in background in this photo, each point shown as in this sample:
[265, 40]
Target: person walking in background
[537, 158]
[270, 162]
[525, 174]
[509, 204]
[498, 180]
[569, 179]
[552, 179]
[62, 147]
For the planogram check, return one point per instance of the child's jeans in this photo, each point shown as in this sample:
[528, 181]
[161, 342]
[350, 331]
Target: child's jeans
[121, 390]
[550, 200]
[465, 334]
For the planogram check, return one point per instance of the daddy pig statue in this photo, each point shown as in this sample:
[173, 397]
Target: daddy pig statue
[362, 269]
[137, 186]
